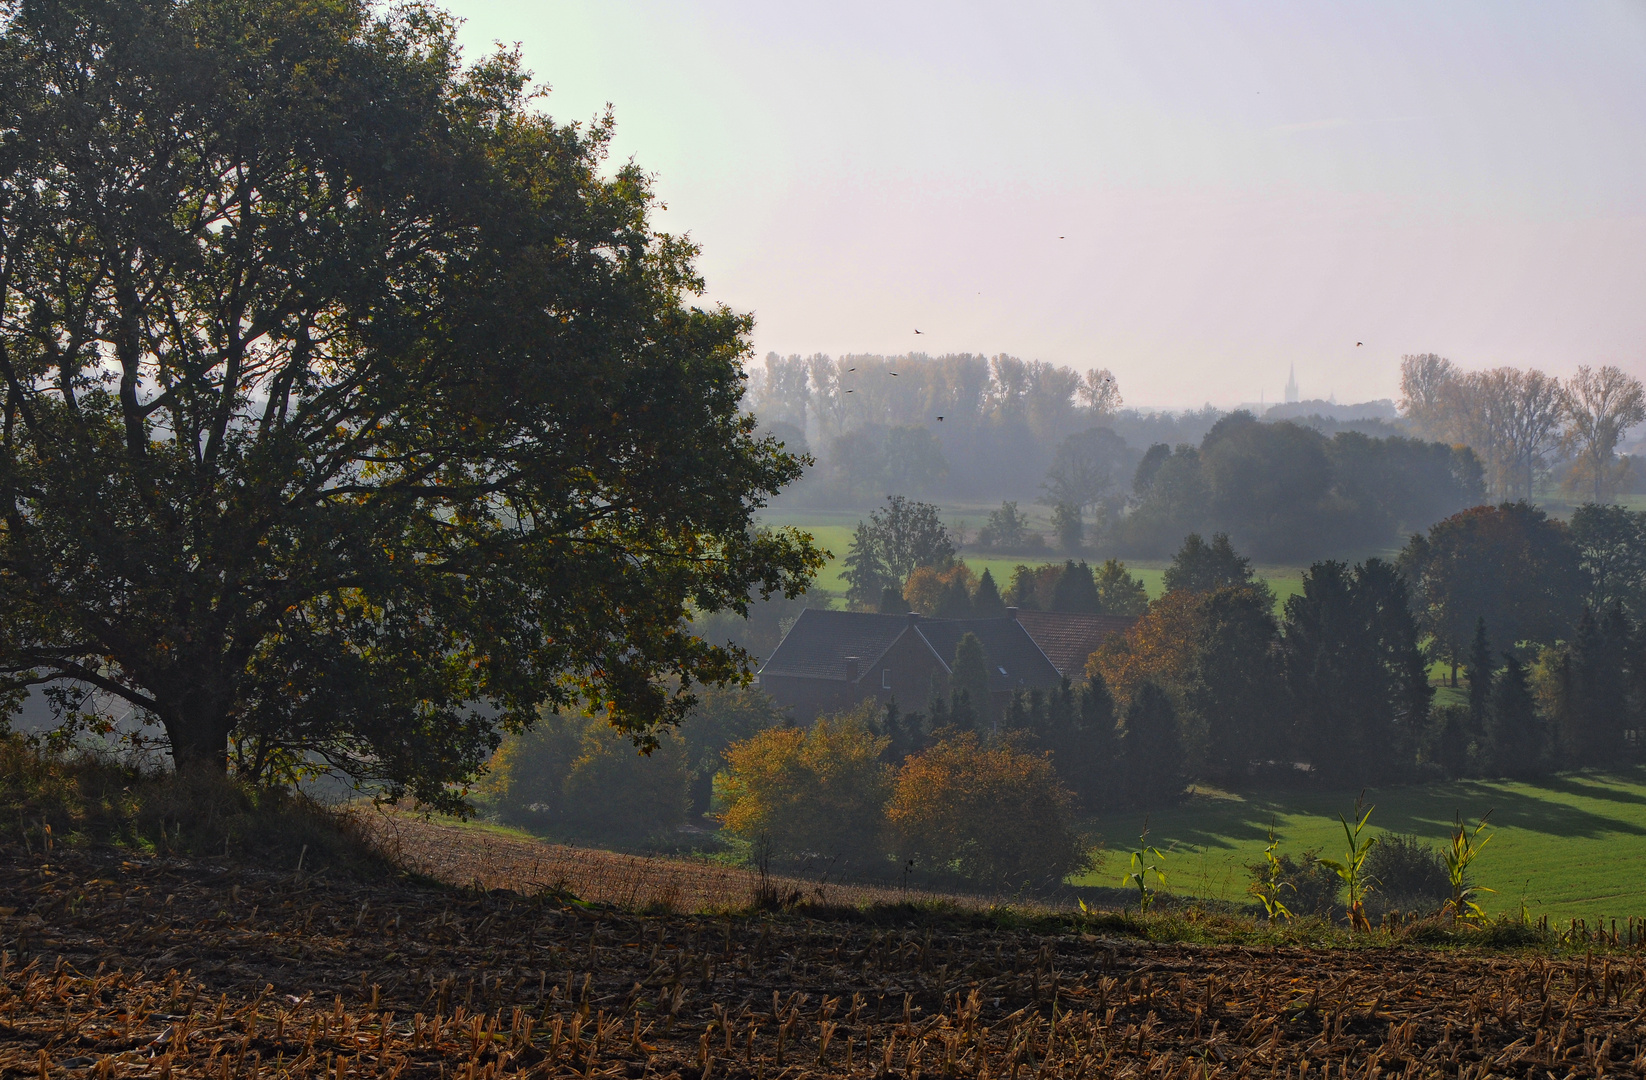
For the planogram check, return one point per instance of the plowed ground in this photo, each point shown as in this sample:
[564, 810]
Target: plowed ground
[116, 966]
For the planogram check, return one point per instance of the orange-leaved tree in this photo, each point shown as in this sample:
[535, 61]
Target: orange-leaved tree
[945, 592]
[820, 791]
[991, 815]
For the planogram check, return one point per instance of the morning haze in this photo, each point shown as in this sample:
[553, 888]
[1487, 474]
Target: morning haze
[1236, 188]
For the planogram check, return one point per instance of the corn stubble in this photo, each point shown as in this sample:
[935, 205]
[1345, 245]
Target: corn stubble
[173, 969]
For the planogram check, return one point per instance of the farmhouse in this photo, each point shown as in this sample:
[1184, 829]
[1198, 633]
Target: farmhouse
[831, 660]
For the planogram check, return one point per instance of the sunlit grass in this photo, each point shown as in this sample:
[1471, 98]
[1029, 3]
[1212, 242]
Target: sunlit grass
[1570, 846]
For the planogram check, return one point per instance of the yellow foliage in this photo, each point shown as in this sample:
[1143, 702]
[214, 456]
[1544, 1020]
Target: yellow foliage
[927, 586]
[993, 815]
[817, 791]
[1159, 647]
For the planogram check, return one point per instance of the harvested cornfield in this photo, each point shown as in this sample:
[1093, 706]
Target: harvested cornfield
[129, 967]
[465, 856]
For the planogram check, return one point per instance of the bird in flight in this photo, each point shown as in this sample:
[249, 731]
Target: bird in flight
[851, 391]
[917, 331]
[894, 374]
[1358, 344]
[851, 369]
[940, 419]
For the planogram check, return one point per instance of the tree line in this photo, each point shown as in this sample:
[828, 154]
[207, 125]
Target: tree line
[1520, 423]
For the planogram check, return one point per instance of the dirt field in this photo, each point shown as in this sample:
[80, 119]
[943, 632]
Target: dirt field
[119, 966]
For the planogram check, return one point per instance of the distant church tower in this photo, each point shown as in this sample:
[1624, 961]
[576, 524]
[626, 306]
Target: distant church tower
[1291, 385]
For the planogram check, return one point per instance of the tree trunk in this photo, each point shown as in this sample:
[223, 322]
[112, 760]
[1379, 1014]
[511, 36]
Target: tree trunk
[198, 729]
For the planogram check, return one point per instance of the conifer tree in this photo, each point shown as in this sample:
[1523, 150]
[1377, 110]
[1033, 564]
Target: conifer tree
[1152, 749]
[969, 685]
[1075, 590]
[986, 600]
[1480, 678]
[1516, 733]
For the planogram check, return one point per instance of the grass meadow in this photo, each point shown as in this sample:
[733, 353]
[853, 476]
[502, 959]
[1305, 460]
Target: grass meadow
[1571, 846]
[833, 532]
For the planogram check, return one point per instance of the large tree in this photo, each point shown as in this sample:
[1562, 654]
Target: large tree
[1600, 405]
[353, 408]
[1511, 565]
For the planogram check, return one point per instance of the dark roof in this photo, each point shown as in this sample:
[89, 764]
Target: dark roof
[1068, 638]
[818, 643]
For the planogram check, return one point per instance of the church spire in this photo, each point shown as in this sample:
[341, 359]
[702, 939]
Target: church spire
[1291, 385]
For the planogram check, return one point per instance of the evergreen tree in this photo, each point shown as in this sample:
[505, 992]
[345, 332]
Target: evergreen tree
[1356, 675]
[1095, 765]
[1452, 745]
[1119, 593]
[1021, 594]
[969, 685]
[1202, 567]
[905, 732]
[1516, 730]
[986, 600]
[1075, 590]
[892, 602]
[1480, 679]
[1233, 687]
[1598, 706]
[954, 602]
[1152, 748]
[1068, 526]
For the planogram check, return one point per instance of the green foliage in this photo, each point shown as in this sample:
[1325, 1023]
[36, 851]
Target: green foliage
[1201, 567]
[372, 420]
[1075, 590]
[1151, 750]
[1068, 526]
[1462, 903]
[986, 600]
[1269, 882]
[1356, 675]
[1511, 565]
[1143, 863]
[1611, 551]
[1351, 868]
[969, 681]
[1119, 593]
[1410, 876]
[1008, 530]
[886, 549]
[573, 775]
[1076, 725]
[52, 797]
[721, 717]
[875, 458]
[1516, 734]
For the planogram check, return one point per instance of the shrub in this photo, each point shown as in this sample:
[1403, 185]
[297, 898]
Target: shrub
[1409, 875]
[820, 791]
[575, 776]
[1306, 887]
[990, 815]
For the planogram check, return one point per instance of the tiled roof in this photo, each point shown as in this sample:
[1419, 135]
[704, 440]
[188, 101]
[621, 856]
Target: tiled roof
[1012, 657]
[1068, 638]
[818, 643]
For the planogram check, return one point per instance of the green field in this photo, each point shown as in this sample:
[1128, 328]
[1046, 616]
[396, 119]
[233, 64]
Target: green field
[833, 532]
[1570, 846]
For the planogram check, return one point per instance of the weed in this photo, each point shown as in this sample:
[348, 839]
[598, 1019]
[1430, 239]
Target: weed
[1267, 889]
[1463, 850]
[1145, 861]
[1349, 869]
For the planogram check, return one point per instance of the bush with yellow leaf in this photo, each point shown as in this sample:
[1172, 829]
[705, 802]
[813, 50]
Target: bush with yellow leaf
[991, 815]
[817, 791]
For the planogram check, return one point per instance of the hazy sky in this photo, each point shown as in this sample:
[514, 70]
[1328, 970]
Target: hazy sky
[1195, 195]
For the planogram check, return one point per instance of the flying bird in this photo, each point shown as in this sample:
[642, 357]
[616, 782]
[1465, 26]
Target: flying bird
[1358, 344]
[940, 419]
[851, 391]
[917, 331]
[893, 374]
[851, 369]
